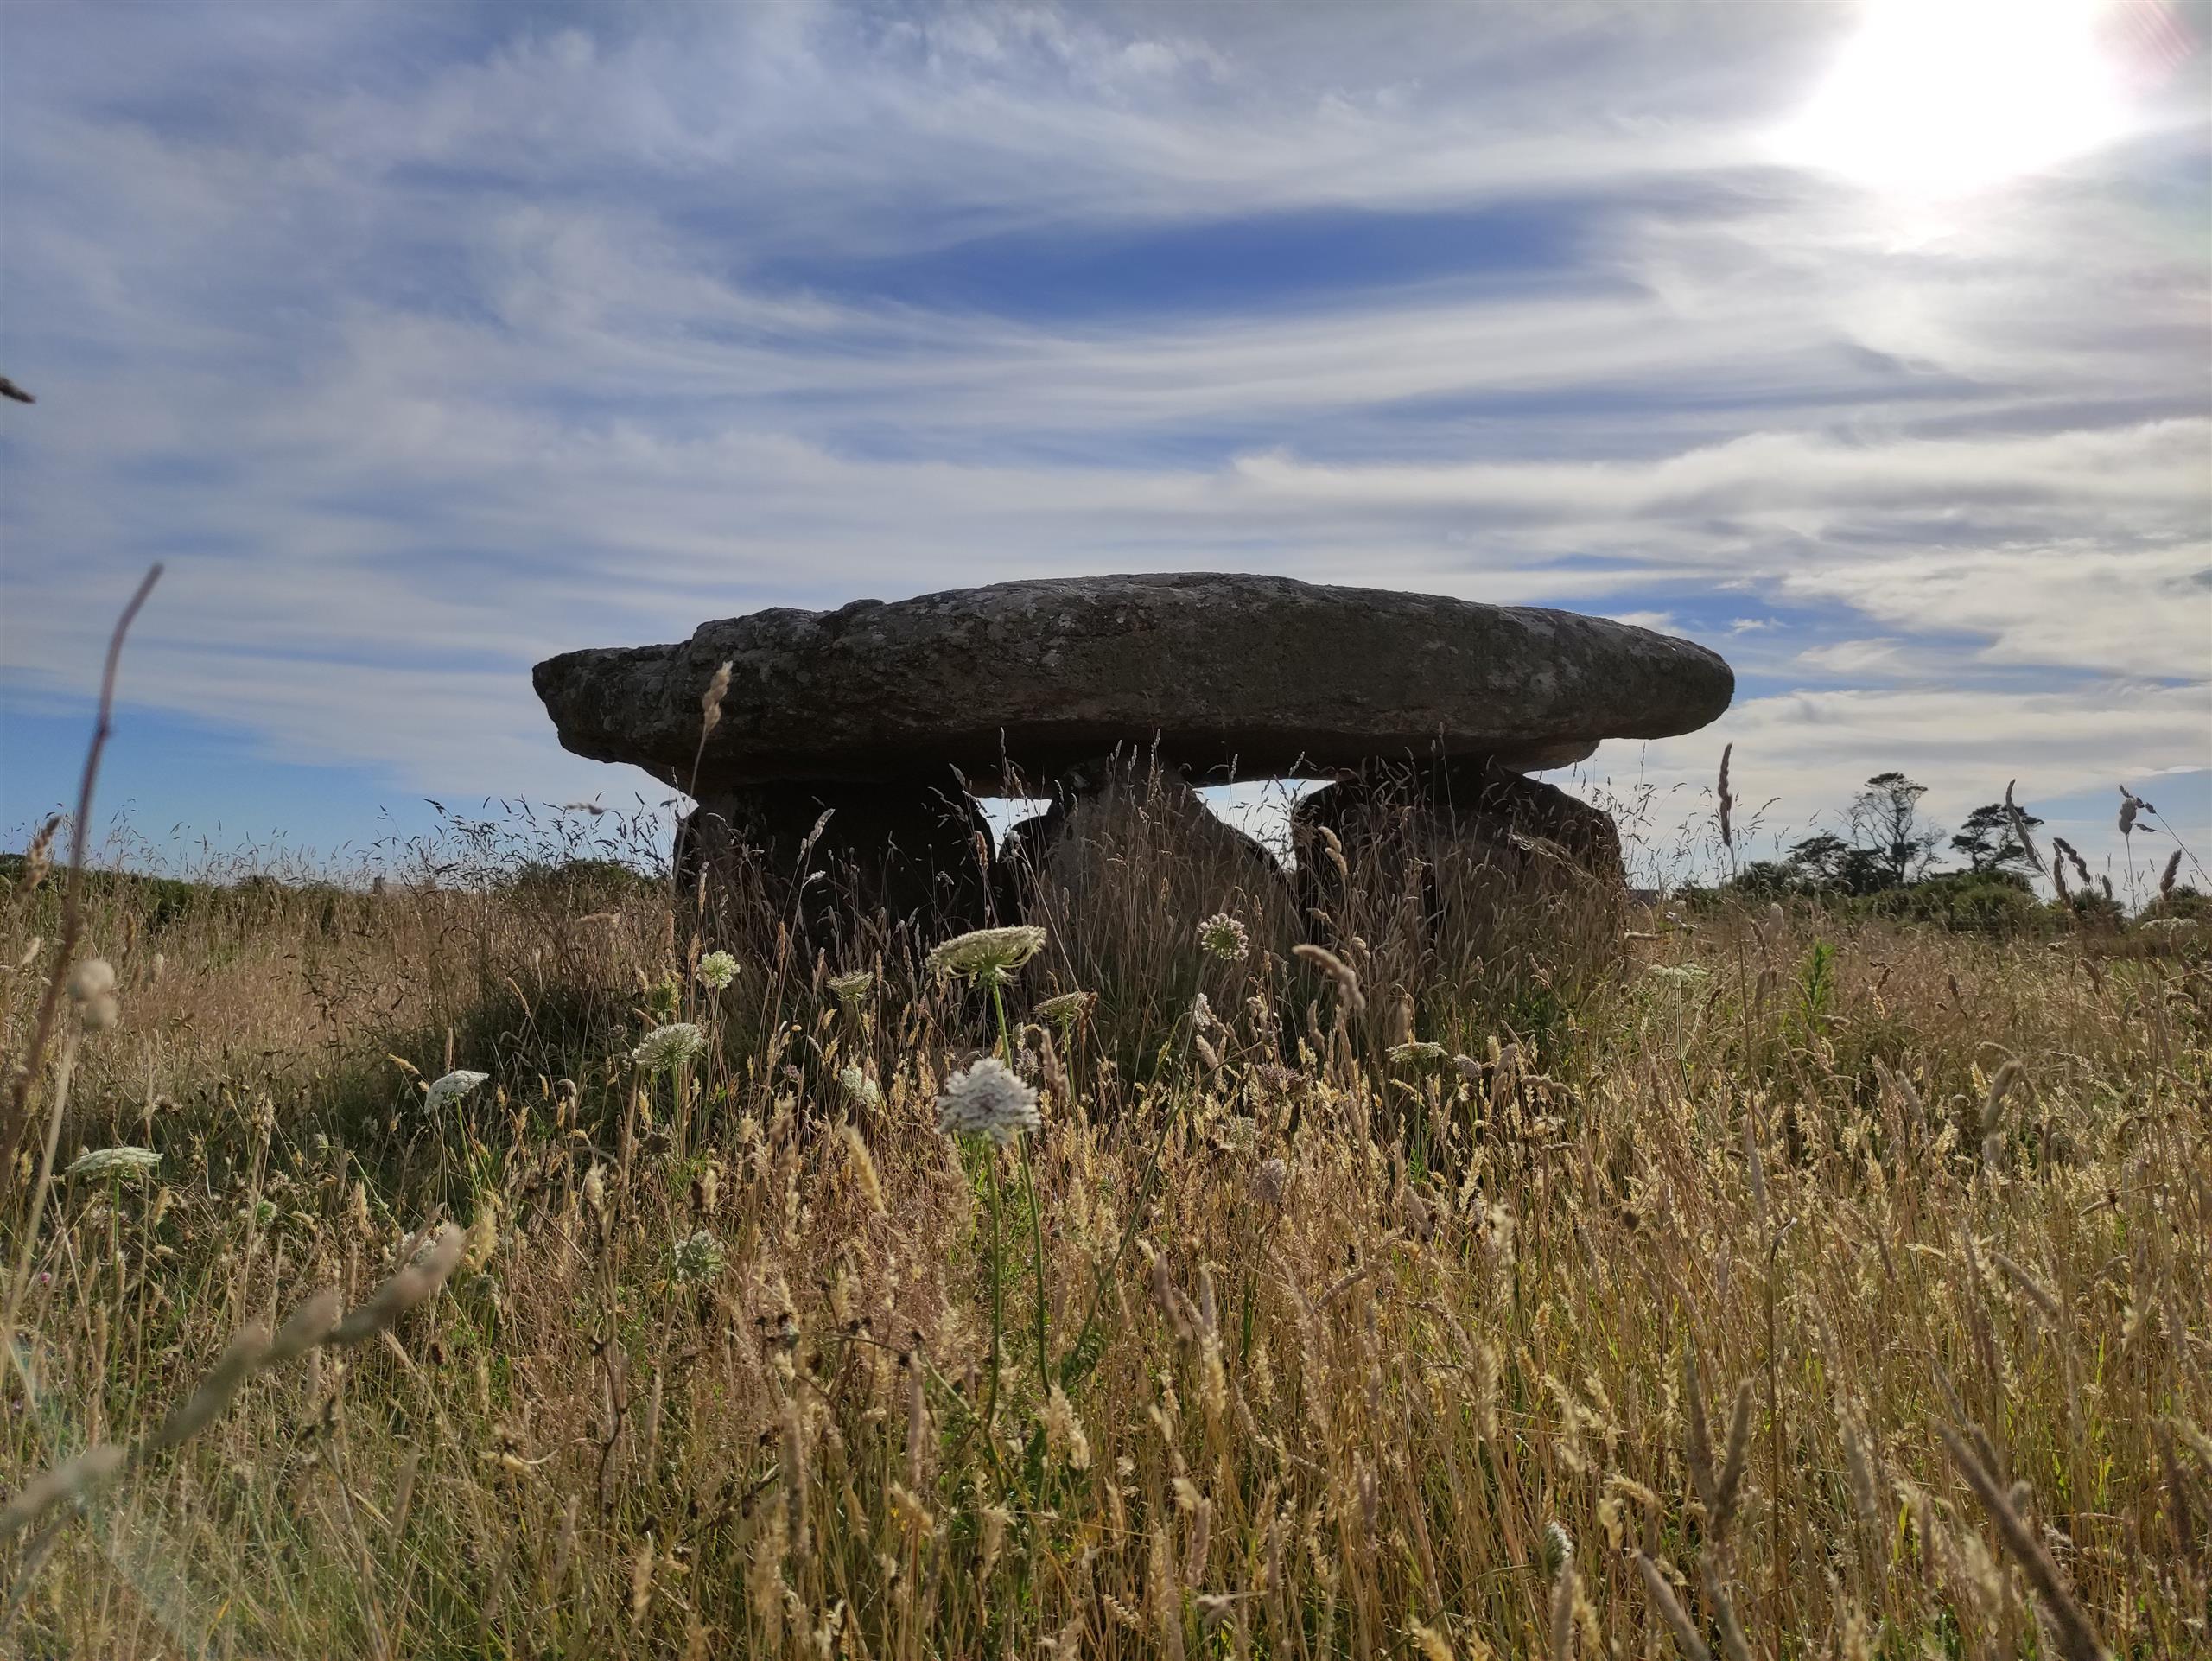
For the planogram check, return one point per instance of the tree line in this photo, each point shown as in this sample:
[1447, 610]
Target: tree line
[1889, 856]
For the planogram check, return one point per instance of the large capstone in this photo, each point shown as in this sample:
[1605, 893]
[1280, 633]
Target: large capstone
[1225, 676]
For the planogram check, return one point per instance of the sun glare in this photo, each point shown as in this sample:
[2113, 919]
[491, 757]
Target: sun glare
[1936, 99]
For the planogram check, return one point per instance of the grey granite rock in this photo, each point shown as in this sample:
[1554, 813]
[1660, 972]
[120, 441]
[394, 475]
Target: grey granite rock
[817, 854]
[1261, 675]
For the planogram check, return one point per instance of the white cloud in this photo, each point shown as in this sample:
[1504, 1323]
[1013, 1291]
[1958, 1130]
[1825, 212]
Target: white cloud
[418, 360]
[1855, 656]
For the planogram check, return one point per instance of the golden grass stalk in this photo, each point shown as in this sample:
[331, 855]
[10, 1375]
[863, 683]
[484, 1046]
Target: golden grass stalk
[419, 1276]
[1671, 1611]
[2077, 1639]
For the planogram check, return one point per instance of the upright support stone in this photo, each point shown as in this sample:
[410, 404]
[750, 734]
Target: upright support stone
[817, 852]
[1104, 805]
[1533, 837]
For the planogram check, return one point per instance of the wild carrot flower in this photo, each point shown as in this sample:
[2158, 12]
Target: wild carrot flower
[716, 969]
[664, 1046]
[851, 989]
[451, 1088]
[1417, 1052]
[117, 1162]
[92, 989]
[1068, 1008]
[1224, 937]
[858, 1086]
[696, 1259]
[1683, 975]
[988, 956]
[987, 1099]
[1270, 1181]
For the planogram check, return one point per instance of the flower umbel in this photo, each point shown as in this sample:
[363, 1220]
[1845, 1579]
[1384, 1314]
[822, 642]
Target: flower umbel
[858, 1086]
[92, 989]
[1417, 1052]
[451, 1088]
[987, 1099]
[986, 957]
[117, 1163]
[716, 969]
[1270, 1181]
[1068, 1008]
[851, 989]
[664, 1046]
[1684, 974]
[696, 1259]
[1224, 937]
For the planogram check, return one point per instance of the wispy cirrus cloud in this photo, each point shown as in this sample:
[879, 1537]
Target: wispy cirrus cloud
[423, 343]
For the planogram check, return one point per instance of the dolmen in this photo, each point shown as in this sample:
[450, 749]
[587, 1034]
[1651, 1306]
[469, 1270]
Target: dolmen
[891, 718]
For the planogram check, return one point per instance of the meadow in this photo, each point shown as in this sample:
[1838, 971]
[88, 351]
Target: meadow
[531, 1260]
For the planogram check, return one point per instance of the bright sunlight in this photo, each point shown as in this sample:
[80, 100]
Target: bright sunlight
[1942, 97]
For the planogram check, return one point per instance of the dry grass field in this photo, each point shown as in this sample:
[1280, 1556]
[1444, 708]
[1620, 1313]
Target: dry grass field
[1522, 1278]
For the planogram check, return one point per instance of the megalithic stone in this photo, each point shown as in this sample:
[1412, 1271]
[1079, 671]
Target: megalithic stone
[1250, 677]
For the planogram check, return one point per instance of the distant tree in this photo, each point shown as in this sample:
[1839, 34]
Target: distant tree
[1765, 879]
[1885, 824]
[1827, 864]
[1987, 841]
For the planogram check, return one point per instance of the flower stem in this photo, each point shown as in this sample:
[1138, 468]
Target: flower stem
[998, 1309]
[1029, 1194]
[1037, 1248]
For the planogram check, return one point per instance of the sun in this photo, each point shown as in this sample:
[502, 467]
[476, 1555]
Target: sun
[1939, 98]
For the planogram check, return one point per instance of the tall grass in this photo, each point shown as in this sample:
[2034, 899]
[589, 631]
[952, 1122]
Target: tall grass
[1534, 1280]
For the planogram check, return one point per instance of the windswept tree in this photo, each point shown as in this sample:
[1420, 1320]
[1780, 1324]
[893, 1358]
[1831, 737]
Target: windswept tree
[1886, 824]
[1890, 846]
[1989, 842]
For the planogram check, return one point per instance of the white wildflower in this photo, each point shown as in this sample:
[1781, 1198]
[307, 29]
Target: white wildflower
[1068, 1008]
[988, 956]
[697, 1259]
[1684, 974]
[851, 989]
[92, 989]
[117, 1162]
[1271, 1181]
[664, 1046]
[858, 1086]
[1417, 1052]
[716, 969]
[987, 1099]
[1225, 937]
[451, 1088]
[2170, 925]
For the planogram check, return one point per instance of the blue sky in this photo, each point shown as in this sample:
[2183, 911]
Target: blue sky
[420, 341]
